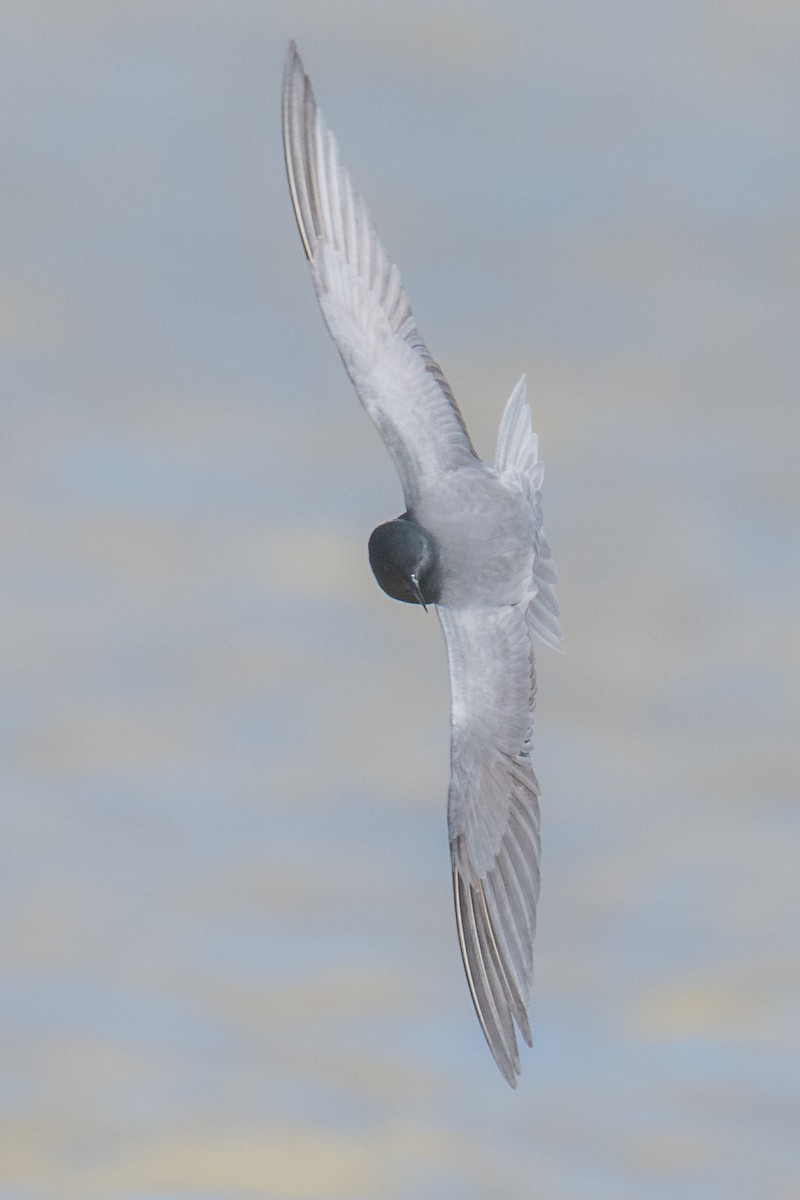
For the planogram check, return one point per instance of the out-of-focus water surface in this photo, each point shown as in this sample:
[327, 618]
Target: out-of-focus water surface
[228, 953]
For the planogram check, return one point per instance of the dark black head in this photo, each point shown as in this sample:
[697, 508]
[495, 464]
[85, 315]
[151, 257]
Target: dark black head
[405, 561]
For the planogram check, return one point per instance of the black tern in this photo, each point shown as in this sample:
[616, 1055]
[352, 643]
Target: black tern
[470, 543]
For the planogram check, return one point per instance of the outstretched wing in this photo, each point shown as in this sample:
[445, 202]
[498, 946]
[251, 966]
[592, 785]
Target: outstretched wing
[517, 461]
[493, 816]
[363, 302]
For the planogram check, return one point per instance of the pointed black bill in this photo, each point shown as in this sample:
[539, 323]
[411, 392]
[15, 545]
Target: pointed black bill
[418, 591]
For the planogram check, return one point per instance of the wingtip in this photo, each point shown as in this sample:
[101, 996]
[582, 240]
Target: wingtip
[298, 109]
[292, 69]
[501, 1042]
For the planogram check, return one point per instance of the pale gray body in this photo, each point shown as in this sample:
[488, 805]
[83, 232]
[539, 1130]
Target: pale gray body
[485, 535]
[495, 584]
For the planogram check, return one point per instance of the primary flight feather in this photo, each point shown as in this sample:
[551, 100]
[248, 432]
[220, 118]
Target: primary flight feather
[470, 542]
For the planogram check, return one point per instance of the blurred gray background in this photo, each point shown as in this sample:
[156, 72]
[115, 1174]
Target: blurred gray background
[229, 966]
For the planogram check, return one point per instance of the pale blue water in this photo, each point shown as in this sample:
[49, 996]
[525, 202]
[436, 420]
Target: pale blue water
[228, 957]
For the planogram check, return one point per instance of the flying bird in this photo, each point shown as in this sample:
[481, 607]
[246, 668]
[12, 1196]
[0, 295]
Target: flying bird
[470, 544]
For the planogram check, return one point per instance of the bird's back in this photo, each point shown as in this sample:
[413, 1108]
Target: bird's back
[485, 535]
